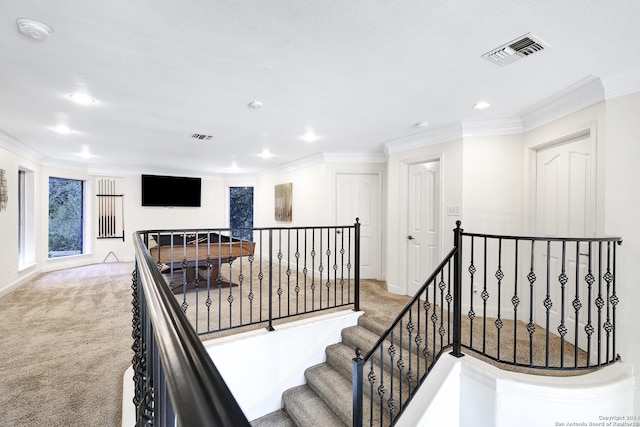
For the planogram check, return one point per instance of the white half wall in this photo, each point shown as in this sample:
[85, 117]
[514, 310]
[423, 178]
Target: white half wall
[259, 366]
[468, 392]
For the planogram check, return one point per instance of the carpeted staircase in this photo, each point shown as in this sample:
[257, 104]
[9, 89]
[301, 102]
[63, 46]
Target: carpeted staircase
[326, 399]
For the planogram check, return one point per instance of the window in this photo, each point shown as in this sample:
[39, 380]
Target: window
[66, 217]
[26, 218]
[241, 211]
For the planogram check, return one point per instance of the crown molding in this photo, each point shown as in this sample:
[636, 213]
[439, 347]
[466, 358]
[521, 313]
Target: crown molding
[586, 92]
[622, 84]
[312, 160]
[355, 157]
[12, 144]
[511, 125]
[424, 139]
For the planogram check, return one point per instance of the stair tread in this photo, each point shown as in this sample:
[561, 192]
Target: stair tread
[279, 418]
[329, 383]
[307, 409]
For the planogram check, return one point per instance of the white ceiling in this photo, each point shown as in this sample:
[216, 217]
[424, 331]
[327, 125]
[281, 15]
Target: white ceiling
[359, 73]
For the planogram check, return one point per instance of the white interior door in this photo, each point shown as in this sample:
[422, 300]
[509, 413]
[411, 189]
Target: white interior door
[358, 196]
[564, 208]
[423, 231]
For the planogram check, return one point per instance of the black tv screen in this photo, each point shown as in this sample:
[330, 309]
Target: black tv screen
[158, 190]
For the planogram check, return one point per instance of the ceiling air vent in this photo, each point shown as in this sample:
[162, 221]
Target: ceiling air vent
[516, 49]
[201, 136]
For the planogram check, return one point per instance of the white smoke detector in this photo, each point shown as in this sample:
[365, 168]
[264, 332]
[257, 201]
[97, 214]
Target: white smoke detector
[34, 29]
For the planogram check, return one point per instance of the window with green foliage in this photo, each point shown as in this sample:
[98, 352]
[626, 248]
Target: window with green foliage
[66, 224]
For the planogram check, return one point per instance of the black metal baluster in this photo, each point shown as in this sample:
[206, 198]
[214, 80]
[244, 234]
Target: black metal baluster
[499, 276]
[472, 314]
[219, 279]
[515, 301]
[305, 270]
[614, 301]
[381, 389]
[410, 380]
[251, 260]
[392, 352]
[297, 255]
[270, 281]
[230, 298]
[288, 272]
[599, 303]
[548, 304]
[441, 330]
[240, 275]
[608, 327]
[335, 267]
[260, 273]
[372, 379]
[342, 250]
[562, 328]
[485, 296]
[320, 267]
[279, 291]
[208, 301]
[576, 307]
[418, 339]
[590, 279]
[434, 316]
[313, 270]
[328, 284]
[196, 280]
[531, 326]
[400, 365]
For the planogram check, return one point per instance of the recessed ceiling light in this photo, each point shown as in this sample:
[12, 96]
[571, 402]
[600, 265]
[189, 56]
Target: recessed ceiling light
[422, 124]
[234, 167]
[266, 154]
[481, 105]
[255, 104]
[310, 136]
[82, 98]
[63, 129]
[34, 29]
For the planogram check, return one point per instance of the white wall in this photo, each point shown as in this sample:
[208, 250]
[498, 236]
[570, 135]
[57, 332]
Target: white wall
[276, 360]
[622, 208]
[468, 392]
[492, 180]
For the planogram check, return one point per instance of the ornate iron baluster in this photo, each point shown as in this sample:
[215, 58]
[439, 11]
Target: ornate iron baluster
[471, 314]
[515, 301]
[562, 328]
[531, 327]
[499, 276]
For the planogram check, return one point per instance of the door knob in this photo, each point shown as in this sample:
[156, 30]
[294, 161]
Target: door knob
[410, 237]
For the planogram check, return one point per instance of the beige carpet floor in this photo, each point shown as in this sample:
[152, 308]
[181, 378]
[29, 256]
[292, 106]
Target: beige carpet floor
[66, 342]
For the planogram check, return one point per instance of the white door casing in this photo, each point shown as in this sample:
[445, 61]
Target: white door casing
[423, 223]
[358, 195]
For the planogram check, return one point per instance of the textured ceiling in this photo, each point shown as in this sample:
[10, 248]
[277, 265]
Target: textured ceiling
[358, 73]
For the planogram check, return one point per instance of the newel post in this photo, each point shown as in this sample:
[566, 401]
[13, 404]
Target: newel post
[358, 365]
[457, 291]
[356, 274]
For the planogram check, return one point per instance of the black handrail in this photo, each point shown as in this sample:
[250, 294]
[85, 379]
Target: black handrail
[175, 378]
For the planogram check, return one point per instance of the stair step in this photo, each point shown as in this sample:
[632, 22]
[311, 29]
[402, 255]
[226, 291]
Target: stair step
[333, 388]
[278, 418]
[307, 409]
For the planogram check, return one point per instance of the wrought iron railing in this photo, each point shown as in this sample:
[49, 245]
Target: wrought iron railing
[176, 382]
[534, 302]
[230, 278]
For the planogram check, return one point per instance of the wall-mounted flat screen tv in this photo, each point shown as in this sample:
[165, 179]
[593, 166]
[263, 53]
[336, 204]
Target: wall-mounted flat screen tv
[158, 190]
